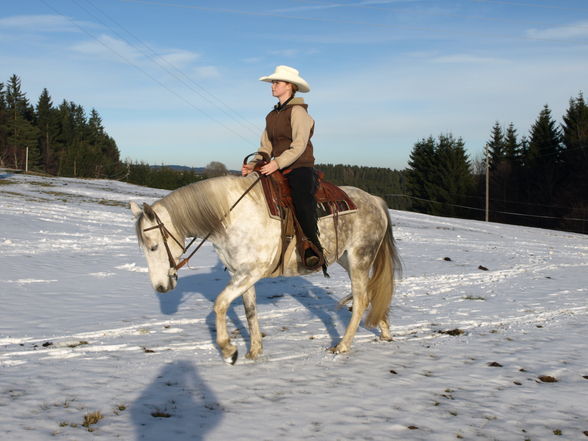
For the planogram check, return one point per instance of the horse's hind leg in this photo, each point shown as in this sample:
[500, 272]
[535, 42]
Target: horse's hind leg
[256, 346]
[359, 280]
[384, 326]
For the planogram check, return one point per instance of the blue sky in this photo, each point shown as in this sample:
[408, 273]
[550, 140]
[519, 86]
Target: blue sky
[176, 81]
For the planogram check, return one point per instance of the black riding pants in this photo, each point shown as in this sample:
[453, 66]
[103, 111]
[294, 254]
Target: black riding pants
[303, 187]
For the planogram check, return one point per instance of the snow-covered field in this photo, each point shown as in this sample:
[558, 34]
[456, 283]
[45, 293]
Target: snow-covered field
[490, 325]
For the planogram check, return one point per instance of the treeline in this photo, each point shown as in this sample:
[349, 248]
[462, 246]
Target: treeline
[141, 173]
[537, 180]
[384, 182]
[64, 141]
[60, 140]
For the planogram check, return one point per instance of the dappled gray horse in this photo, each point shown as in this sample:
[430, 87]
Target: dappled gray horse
[248, 241]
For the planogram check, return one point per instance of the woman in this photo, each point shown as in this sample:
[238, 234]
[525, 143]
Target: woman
[286, 139]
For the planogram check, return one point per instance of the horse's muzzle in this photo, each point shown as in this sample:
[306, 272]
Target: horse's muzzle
[170, 285]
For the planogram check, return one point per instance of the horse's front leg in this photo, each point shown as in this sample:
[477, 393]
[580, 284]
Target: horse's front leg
[236, 287]
[256, 346]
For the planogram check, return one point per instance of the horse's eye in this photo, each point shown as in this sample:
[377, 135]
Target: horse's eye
[153, 248]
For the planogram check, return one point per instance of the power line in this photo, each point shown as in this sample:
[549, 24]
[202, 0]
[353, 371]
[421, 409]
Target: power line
[154, 56]
[153, 78]
[481, 209]
[447, 32]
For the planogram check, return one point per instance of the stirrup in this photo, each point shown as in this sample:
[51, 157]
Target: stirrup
[311, 261]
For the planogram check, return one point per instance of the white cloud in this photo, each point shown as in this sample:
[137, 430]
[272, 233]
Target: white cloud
[178, 57]
[287, 53]
[207, 72]
[39, 23]
[567, 32]
[340, 5]
[292, 53]
[107, 47]
[252, 60]
[467, 59]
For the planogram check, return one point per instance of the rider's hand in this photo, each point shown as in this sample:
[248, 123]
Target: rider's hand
[246, 169]
[269, 168]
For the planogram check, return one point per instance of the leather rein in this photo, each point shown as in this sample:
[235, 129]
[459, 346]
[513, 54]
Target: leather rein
[165, 233]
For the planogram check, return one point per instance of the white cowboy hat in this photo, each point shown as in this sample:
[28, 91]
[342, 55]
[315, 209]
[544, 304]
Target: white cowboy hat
[288, 74]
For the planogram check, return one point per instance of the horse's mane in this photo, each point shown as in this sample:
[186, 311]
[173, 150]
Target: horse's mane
[202, 207]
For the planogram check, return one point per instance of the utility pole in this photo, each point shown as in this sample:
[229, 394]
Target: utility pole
[27, 159]
[487, 184]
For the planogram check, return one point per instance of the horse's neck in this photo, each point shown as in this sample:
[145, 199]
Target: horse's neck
[200, 209]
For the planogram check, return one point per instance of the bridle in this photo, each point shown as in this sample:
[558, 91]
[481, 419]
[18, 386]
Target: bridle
[165, 233]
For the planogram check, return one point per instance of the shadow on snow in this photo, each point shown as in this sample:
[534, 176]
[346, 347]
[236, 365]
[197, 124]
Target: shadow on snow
[178, 405]
[317, 300]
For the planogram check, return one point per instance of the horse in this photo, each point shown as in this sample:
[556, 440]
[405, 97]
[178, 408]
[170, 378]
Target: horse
[247, 241]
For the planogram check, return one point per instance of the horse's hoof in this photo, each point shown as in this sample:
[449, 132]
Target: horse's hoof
[232, 359]
[386, 338]
[339, 349]
[252, 355]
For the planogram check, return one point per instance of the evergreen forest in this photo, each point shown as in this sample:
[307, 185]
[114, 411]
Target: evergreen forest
[538, 179]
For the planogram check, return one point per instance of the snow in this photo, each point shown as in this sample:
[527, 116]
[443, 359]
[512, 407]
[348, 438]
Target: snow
[481, 313]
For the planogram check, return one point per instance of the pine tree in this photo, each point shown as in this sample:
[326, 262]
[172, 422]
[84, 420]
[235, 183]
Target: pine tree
[21, 132]
[109, 165]
[512, 147]
[511, 169]
[575, 139]
[575, 159]
[3, 126]
[439, 175]
[495, 147]
[48, 131]
[421, 166]
[542, 163]
[453, 176]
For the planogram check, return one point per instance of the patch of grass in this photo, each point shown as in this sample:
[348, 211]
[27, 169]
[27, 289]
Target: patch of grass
[79, 343]
[160, 414]
[118, 409]
[91, 419]
[6, 182]
[11, 193]
[111, 203]
[548, 379]
[557, 432]
[42, 184]
[453, 332]
[474, 298]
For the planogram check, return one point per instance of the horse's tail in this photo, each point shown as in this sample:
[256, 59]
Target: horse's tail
[381, 283]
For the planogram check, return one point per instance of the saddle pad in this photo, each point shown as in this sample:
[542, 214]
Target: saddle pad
[332, 199]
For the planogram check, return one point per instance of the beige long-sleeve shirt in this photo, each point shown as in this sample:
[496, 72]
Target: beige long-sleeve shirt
[302, 125]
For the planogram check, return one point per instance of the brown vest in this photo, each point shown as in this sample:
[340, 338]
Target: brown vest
[279, 132]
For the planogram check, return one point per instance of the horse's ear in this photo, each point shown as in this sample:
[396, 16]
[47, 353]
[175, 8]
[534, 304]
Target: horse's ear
[135, 209]
[148, 211]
